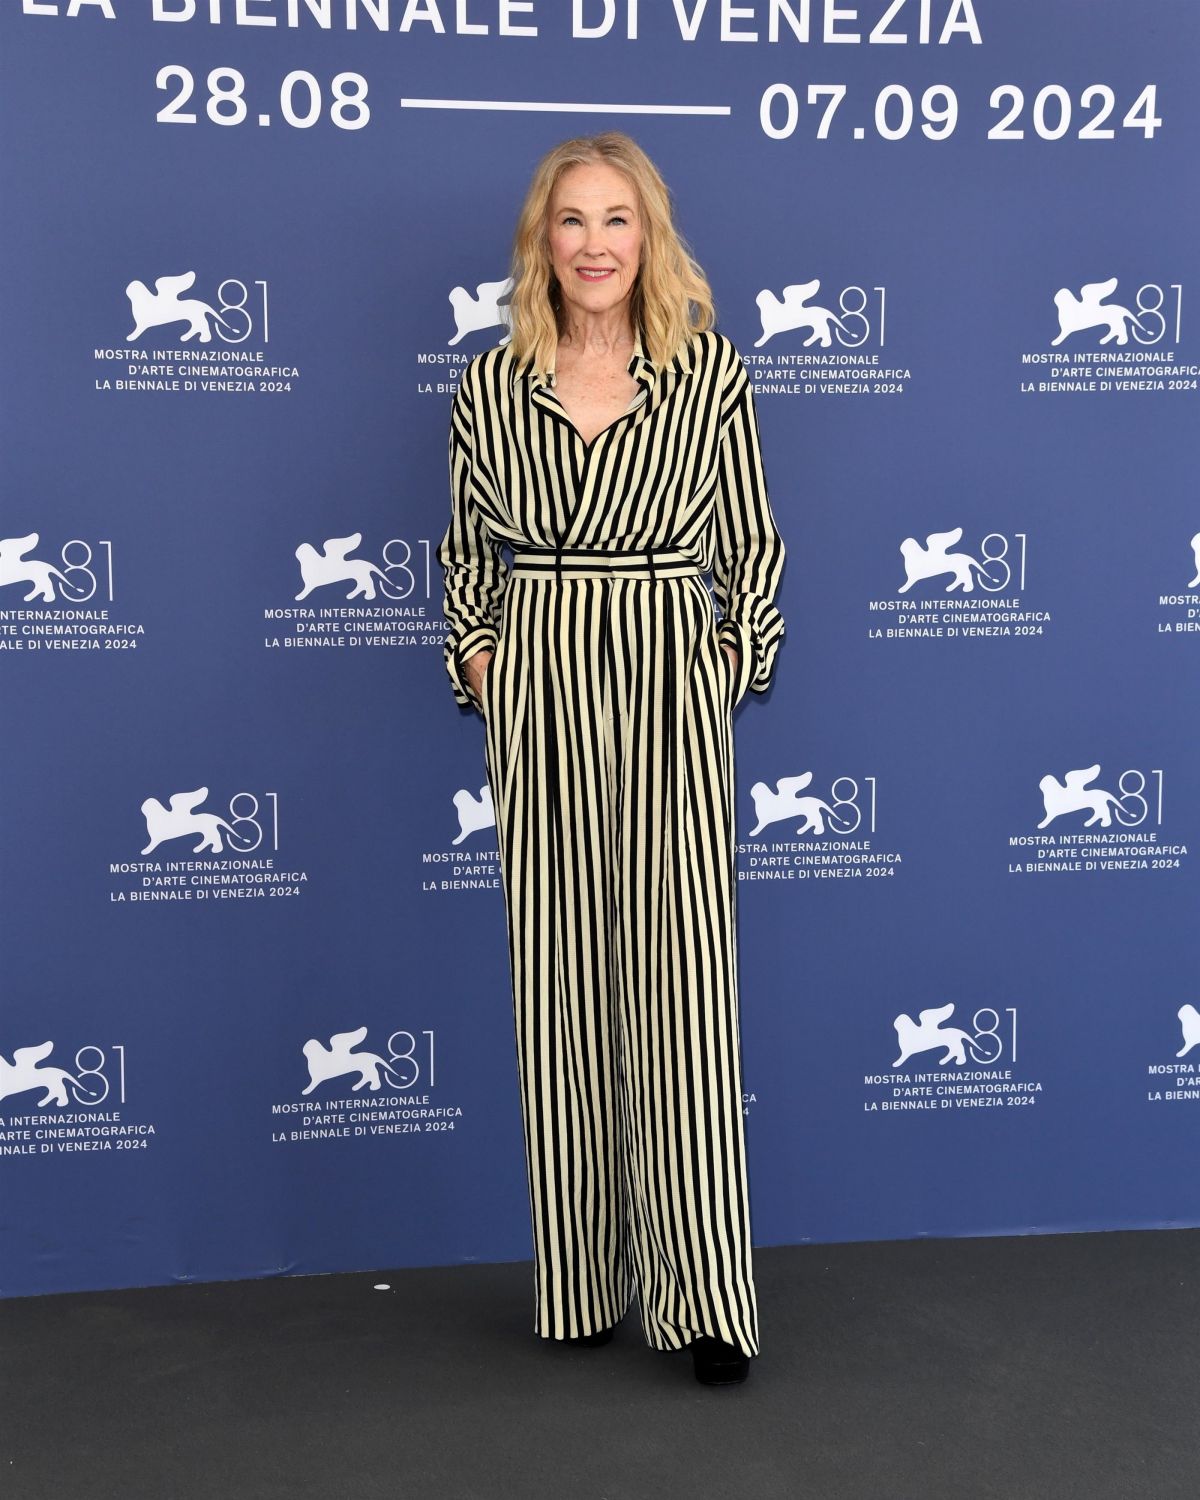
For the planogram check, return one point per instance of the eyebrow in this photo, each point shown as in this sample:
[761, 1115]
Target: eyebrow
[567, 209]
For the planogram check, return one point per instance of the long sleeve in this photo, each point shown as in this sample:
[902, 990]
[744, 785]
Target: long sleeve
[749, 555]
[475, 573]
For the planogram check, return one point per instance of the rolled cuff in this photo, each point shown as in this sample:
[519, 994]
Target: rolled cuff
[457, 650]
[755, 628]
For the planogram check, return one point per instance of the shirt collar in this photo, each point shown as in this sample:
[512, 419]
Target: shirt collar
[640, 365]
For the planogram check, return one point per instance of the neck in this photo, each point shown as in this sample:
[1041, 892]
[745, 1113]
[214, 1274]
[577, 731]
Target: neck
[608, 332]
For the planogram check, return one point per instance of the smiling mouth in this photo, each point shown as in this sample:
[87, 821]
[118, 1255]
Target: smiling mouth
[599, 274]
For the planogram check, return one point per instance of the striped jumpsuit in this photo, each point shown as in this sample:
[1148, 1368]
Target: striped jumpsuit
[608, 709]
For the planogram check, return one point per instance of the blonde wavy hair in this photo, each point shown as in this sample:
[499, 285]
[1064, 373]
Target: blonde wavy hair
[670, 297]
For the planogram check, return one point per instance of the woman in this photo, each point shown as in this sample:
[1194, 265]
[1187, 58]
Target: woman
[612, 443]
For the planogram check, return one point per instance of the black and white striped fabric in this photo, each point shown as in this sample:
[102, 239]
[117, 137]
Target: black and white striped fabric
[608, 707]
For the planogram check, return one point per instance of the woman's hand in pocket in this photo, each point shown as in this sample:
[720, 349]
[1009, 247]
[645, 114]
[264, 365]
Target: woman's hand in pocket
[475, 668]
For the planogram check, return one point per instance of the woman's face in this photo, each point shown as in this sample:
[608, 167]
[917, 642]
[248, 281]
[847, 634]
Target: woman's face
[594, 227]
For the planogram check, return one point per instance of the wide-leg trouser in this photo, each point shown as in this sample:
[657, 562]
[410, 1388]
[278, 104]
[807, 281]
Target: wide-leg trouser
[609, 747]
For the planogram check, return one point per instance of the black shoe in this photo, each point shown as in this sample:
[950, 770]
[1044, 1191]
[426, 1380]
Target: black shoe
[718, 1363]
[591, 1340]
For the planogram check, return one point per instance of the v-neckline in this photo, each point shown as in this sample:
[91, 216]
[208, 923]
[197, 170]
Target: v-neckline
[633, 406]
[637, 359]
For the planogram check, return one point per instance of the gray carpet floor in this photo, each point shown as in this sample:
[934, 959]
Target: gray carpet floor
[1042, 1367]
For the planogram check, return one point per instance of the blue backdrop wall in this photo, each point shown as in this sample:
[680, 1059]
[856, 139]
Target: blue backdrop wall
[246, 249]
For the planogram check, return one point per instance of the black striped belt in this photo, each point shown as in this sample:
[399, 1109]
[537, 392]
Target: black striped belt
[598, 562]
